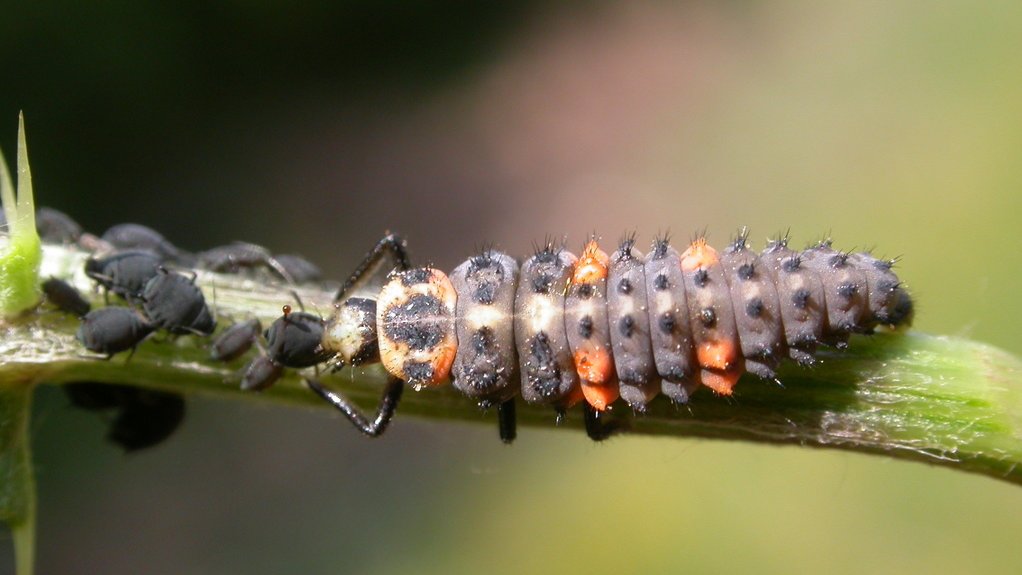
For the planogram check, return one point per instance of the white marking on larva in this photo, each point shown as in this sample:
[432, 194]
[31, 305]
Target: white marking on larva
[664, 302]
[344, 335]
[484, 316]
[540, 314]
[627, 305]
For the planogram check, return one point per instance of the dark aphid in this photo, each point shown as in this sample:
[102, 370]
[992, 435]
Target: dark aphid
[300, 269]
[260, 374]
[65, 297]
[126, 273]
[147, 417]
[235, 257]
[111, 330]
[173, 302]
[235, 340]
[294, 340]
[56, 227]
[137, 237]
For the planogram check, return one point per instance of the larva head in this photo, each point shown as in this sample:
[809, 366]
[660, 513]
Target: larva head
[351, 332]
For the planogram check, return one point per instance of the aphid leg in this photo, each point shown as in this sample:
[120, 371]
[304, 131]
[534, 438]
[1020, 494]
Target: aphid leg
[597, 426]
[384, 413]
[506, 421]
[392, 245]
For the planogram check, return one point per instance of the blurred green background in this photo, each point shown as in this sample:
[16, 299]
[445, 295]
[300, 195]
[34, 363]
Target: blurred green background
[313, 128]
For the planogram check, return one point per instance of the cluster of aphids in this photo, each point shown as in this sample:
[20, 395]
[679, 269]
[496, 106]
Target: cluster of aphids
[152, 278]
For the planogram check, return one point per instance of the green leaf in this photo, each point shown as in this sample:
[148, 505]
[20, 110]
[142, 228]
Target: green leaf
[21, 255]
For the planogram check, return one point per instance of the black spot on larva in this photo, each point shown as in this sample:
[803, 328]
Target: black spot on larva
[708, 317]
[838, 260]
[404, 322]
[660, 246]
[754, 307]
[415, 276]
[542, 371]
[800, 298]
[746, 271]
[482, 379]
[674, 373]
[586, 291]
[626, 326]
[791, 264]
[886, 285]
[624, 286]
[483, 340]
[847, 291]
[484, 293]
[625, 247]
[661, 282]
[764, 352]
[804, 340]
[542, 282]
[481, 262]
[546, 254]
[701, 277]
[847, 326]
[666, 322]
[883, 265]
[585, 326]
[418, 371]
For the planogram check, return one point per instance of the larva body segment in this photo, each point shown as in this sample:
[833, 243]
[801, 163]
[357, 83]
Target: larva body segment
[628, 319]
[486, 365]
[711, 315]
[545, 360]
[844, 292]
[756, 308]
[588, 331]
[800, 294]
[669, 323]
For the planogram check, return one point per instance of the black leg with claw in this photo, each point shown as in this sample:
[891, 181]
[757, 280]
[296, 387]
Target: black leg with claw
[391, 245]
[384, 413]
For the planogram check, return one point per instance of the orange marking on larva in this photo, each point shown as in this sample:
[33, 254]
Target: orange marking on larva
[574, 396]
[443, 358]
[592, 265]
[601, 396]
[698, 255]
[716, 354]
[594, 365]
[721, 382]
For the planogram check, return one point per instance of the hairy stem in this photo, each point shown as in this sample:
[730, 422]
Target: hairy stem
[946, 401]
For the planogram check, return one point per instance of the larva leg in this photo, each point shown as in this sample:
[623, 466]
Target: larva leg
[506, 421]
[391, 245]
[384, 413]
[598, 427]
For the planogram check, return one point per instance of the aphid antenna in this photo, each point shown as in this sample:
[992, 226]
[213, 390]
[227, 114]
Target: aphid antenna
[298, 300]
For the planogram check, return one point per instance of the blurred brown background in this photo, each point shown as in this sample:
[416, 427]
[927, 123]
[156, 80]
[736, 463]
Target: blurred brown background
[315, 128]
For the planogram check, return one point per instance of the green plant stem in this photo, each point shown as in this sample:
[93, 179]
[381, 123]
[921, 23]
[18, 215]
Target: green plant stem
[945, 401]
